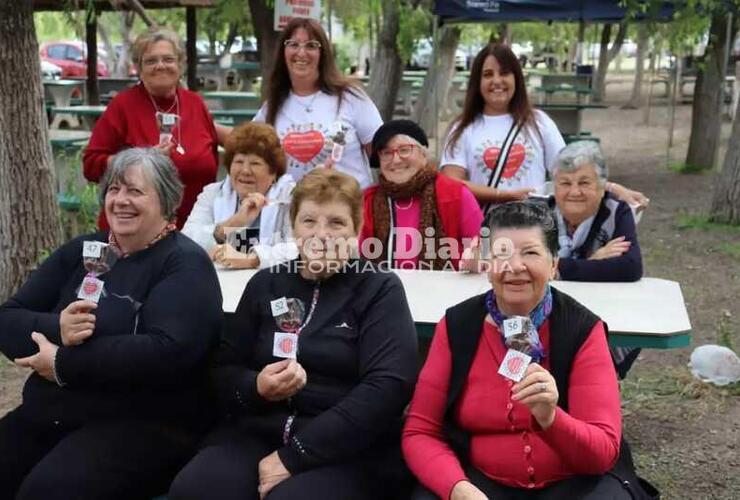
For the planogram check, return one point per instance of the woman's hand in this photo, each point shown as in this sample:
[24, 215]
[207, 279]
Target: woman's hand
[271, 473]
[228, 256]
[538, 391]
[465, 490]
[76, 322]
[470, 261]
[502, 196]
[251, 206]
[166, 147]
[613, 248]
[43, 361]
[630, 197]
[281, 380]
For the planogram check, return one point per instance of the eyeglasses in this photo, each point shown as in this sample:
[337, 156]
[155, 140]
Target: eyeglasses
[403, 151]
[309, 46]
[165, 60]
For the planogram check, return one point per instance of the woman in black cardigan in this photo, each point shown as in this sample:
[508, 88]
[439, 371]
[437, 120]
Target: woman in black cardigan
[315, 369]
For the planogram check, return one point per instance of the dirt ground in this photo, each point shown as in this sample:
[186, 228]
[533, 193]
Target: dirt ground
[685, 434]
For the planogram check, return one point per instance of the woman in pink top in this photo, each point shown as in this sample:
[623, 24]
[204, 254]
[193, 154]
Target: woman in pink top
[435, 217]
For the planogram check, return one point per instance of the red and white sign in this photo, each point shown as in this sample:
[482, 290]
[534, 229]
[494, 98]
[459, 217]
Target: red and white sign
[285, 10]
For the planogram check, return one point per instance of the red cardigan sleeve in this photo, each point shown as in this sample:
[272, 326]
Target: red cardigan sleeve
[107, 139]
[587, 437]
[427, 454]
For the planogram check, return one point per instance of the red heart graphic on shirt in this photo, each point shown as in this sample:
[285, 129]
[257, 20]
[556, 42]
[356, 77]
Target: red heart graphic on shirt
[514, 365]
[286, 345]
[304, 146]
[513, 162]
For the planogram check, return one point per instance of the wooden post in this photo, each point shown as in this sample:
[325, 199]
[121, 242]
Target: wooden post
[91, 37]
[190, 49]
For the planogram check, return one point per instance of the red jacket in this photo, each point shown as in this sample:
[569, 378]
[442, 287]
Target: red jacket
[129, 121]
[449, 196]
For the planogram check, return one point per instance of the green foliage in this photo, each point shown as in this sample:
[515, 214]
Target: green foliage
[53, 26]
[701, 221]
[414, 25]
[725, 329]
[685, 168]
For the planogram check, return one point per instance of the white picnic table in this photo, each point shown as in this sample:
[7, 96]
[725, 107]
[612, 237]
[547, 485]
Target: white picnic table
[647, 313]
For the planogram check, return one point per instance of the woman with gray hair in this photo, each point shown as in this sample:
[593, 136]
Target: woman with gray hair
[116, 328]
[596, 232]
[158, 112]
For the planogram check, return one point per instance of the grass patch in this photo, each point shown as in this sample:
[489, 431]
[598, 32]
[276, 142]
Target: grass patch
[684, 168]
[725, 330]
[701, 221]
[730, 249]
[663, 391]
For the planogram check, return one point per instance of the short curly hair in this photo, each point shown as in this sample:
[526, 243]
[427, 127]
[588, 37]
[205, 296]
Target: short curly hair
[259, 139]
[323, 185]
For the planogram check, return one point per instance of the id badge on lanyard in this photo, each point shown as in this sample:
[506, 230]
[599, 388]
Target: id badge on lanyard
[288, 314]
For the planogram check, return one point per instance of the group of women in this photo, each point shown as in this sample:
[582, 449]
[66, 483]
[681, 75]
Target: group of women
[139, 386]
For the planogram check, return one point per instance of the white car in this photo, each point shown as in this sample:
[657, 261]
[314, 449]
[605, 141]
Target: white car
[50, 71]
[422, 56]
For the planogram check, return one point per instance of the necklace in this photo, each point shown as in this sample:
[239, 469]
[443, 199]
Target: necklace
[309, 107]
[411, 202]
[179, 148]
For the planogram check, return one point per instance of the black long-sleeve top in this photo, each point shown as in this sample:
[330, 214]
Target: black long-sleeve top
[359, 351]
[158, 319]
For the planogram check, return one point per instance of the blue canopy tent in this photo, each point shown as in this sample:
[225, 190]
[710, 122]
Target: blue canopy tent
[452, 11]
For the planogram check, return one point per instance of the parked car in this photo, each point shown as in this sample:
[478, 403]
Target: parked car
[70, 56]
[422, 56]
[50, 71]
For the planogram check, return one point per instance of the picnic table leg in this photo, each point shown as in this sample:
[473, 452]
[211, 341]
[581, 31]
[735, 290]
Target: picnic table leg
[62, 98]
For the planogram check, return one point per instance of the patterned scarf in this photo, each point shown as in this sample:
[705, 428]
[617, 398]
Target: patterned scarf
[421, 186]
[113, 243]
[538, 315]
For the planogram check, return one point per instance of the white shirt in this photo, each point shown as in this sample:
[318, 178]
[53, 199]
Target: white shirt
[218, 201]
[530, 157]
[309, 126]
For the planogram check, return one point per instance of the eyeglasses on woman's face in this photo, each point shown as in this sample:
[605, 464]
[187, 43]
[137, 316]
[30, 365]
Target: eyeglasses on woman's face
[308, 46]
[404, 152]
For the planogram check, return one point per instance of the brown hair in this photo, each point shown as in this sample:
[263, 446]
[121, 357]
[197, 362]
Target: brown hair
[323, 185]
[331, 80]
[519, 106]
[150, 37]
[259, 139]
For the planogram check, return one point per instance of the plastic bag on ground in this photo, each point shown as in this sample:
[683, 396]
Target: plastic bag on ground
[716, 364]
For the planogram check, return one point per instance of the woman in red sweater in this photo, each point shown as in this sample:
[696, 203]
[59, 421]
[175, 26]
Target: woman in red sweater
[158, 112]
[473, 433]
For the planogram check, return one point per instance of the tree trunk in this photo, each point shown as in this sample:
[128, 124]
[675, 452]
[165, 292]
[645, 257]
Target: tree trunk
[91, 38]
[230, 38]
[439, 77]
[606, 56]
[112, 60]
[29, 216]
[126, 24]
[637, 101]
[191, 50]
[385, 76]
[263, 22]
[706, 119]
[726, 197]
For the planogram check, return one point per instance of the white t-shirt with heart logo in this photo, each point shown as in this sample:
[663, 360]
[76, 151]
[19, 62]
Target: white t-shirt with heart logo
[529, 160]
[310, 126]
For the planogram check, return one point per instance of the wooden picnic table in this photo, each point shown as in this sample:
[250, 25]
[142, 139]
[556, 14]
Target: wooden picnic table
[647, 313]
[89, 114]
[59, 94]
[549, 91]
[222, 99]
[233, 116]
[568, 117]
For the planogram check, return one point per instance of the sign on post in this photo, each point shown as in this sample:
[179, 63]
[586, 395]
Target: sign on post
[285, 10]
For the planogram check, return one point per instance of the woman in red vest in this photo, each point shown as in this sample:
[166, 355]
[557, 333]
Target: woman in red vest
[435, 217]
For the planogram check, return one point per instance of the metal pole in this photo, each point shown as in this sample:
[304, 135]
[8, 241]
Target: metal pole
[435, 45]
